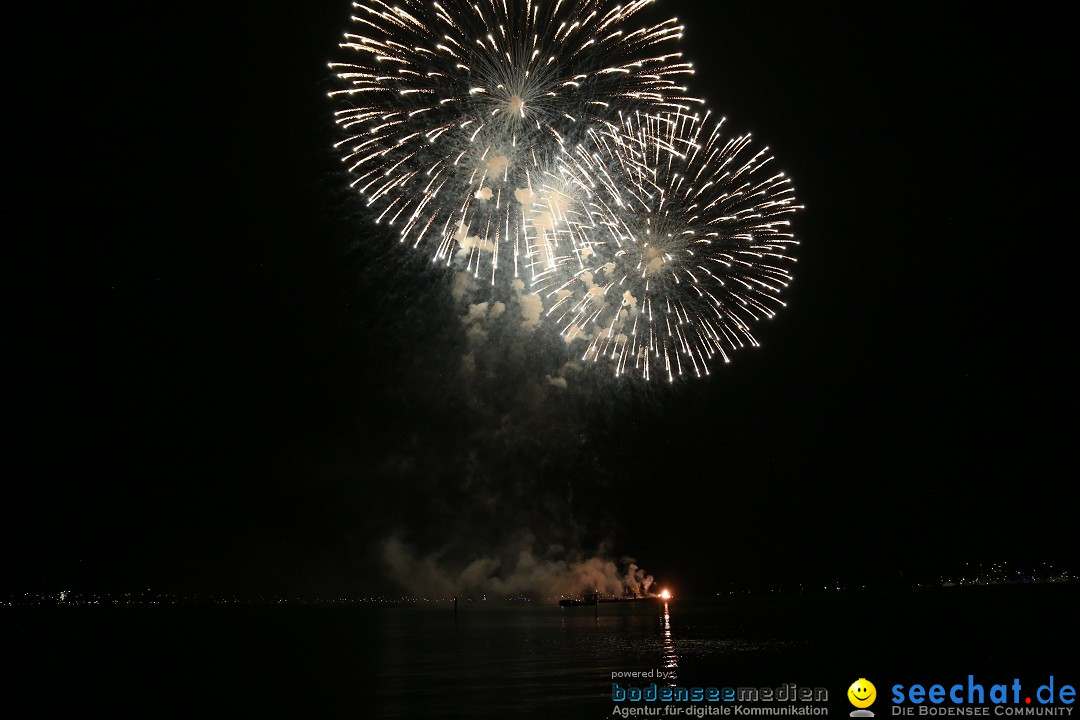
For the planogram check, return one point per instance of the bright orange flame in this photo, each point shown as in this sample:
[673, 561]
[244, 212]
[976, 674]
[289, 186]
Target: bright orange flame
[665, 594]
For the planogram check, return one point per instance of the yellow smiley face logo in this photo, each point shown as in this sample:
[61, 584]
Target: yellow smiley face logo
[862, 693]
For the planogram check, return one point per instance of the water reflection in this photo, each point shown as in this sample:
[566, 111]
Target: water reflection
[512, 661]
[669, 659]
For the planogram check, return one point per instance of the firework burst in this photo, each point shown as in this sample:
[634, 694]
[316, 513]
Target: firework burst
[450, 112]
[693, 245]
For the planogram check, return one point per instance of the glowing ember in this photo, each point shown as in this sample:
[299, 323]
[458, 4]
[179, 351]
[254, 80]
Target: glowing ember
[665, 594]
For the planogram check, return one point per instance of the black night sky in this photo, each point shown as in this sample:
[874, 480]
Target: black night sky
[224, 381]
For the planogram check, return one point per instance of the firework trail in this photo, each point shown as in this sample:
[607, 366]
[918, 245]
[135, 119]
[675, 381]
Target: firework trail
[695, 245]
[547, 146]
[452, 111]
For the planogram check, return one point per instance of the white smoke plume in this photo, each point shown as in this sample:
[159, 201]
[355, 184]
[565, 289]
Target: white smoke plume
[520, 572]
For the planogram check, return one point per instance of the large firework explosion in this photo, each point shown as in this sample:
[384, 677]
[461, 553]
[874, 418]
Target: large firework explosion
[692, 247]
[452, 111]
[548, 149]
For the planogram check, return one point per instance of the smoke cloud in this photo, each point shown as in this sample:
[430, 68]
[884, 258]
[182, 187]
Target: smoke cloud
[517, 572]
[490, 483]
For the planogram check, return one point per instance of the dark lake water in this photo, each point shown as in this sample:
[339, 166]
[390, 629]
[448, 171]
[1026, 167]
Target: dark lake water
[513, 660]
